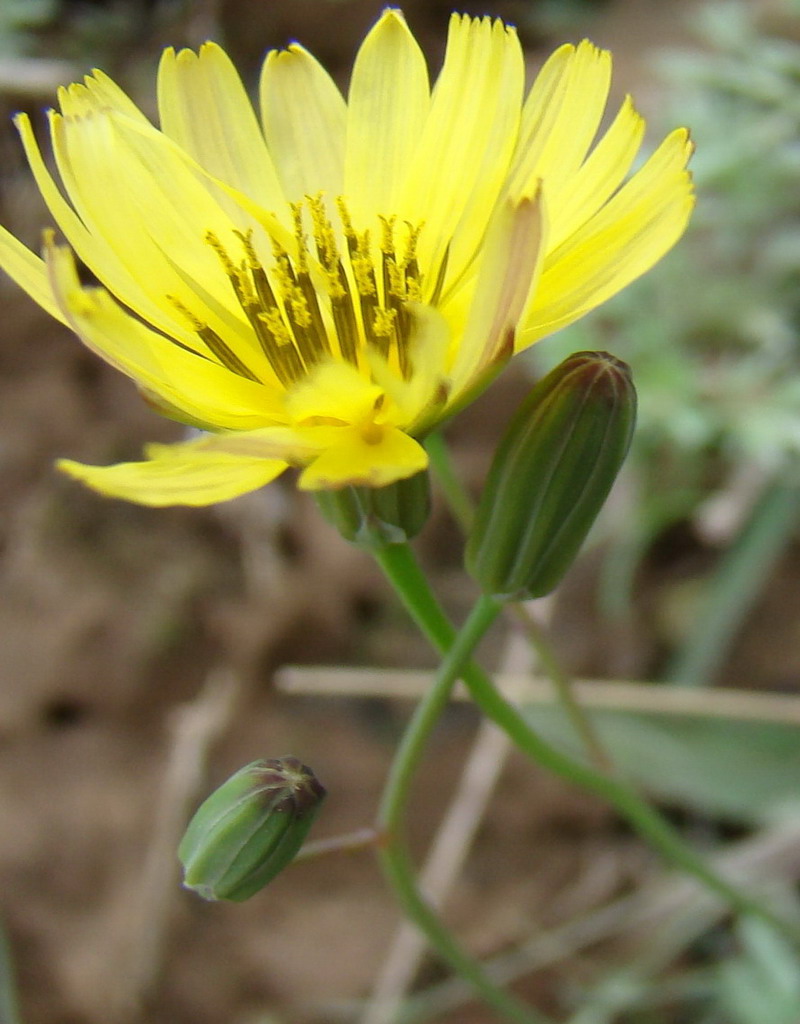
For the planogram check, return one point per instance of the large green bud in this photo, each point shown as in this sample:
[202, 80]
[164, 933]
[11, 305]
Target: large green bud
[249, 829]
[373, 516]
[550, 476]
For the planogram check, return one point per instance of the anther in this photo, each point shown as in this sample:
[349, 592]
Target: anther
[215, 344]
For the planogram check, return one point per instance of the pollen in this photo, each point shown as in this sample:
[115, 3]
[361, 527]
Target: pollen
[326, 294]
[383, 324]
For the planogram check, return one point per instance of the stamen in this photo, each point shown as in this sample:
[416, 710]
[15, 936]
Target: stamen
[301, 260]
[412, 241]
[325, 239]
[394, 279]
[387, 235]
[325, 297]
[295, 306]
[279, 347]
[413, 276]
[258, 302]
[257, 273]
[221, 252]
[363, 270]
[235, 274]
[344, 321]
[338, 286]
[311, 298]
[361, 262]
[218, 348]
[383, 323]
[226, 356]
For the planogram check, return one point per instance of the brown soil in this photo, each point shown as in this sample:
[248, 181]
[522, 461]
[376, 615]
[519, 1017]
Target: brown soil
[113, 618]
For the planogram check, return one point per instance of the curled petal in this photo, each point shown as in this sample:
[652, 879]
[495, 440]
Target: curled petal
[620, 243]
[508, 275]
[177, 475]
[365, 460]
[201, 390]
[304, 117]
[205, 109]
[30, 273]
[387, 106]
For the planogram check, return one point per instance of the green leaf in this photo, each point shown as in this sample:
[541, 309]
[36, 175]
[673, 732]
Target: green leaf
[740, 770]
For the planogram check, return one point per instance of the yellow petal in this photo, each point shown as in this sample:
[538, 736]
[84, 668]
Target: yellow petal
[386, 106]
[288, 444]
[575, 200]
[304, 118]
[335, 456]
[371, 461]
[561, 116]
[203, 391]
[176, 476]
[94, 251]
[204, 108]
[333, 391]
[106, 93]
[462, 158]
[510, 265]
[628, 235]
[29, 272]
[417, 398]
[136, 190]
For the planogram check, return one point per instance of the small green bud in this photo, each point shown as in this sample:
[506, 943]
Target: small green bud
[550, 476]
[249, 829]
[373, 516]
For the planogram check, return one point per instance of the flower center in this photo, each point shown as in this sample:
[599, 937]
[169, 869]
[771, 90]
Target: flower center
[371, 432]
[331, 297]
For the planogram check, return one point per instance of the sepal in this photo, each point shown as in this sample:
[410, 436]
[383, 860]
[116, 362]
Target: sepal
[374, 516]
[550, 476]
[249, 829]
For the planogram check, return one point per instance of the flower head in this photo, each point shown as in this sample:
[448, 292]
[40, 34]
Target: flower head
[321, 286]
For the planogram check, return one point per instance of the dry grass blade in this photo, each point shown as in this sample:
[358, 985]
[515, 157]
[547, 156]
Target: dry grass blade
[195, 728]
[408, 684]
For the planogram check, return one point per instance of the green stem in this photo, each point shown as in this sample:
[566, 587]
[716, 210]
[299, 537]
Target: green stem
[394, 855]
[357, 840]
[463, 511]
[402, 570]
[429, 711]
[551, 666]
[456, 496]
[9, 1005]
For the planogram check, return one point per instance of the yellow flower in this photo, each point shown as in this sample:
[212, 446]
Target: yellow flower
[321, 287]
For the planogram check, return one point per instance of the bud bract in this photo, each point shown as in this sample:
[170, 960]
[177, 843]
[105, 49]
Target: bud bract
[374, 516]
[550, 476]
[249, 829]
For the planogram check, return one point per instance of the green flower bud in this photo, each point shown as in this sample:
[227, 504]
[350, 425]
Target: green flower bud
[373, 516]
[249, 829]
[550, 476]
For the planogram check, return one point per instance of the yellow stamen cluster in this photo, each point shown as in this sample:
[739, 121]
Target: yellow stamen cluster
[313, 303]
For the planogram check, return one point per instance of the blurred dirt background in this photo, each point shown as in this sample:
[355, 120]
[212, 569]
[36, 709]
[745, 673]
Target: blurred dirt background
[114, 619]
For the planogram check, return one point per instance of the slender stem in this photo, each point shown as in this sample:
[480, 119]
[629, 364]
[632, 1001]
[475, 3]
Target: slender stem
[9, 1004]
[346, 843]
[429, 711]
[462, 508]
[581, 722]
[401, 877]
[456, 496]
[407, 578]
[394, 855]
